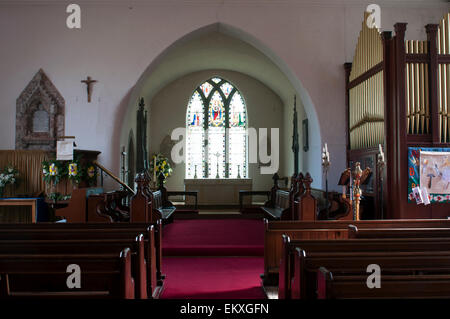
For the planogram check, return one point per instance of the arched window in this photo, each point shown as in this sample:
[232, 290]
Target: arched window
[216, 121]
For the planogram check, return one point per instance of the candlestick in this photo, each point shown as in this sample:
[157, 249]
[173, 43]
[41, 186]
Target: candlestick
[154, 169]
[357, 190]
[326, 166]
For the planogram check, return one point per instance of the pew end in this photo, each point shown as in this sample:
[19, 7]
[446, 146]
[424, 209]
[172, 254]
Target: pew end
[324, 277]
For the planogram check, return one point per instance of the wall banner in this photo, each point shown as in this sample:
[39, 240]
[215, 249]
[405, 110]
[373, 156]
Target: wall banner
[429, 168]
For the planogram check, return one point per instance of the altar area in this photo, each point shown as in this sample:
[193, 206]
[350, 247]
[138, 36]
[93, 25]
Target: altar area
[212, 191]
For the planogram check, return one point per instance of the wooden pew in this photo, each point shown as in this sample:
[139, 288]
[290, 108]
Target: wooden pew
[49, 231]
[332, 286]
[354, 232]
[159, 210]
[335, 229]
[148, 206]
[45, 276]
[384, 245]
[77, 211]
[305, 205]
[351, 263]
[92, 247]
[111, 209]
[278, 208]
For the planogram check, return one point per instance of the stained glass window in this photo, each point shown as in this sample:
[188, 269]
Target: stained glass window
[206, 88]
[216, 124]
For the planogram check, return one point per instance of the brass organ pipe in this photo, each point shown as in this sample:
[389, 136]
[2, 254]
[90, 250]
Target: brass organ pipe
[411, 91]
[408, 93]
[422, 94]
[447, 51]
[417, 91]
[366, 105]
[427, 105]
[441, 48]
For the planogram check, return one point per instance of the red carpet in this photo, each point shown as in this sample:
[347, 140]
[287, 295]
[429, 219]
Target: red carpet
[197, 274]
[213, 278]
[223, 237]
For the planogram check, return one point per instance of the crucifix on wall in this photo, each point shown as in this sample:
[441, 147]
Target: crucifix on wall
[89, 82]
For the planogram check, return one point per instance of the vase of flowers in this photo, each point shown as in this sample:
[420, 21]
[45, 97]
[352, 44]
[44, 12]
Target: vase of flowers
[8, 176]
[74, 172]
[91, 174]
[52, 172]
[160, 164]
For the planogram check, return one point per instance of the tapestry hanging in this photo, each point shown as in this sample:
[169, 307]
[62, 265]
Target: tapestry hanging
[429, 168]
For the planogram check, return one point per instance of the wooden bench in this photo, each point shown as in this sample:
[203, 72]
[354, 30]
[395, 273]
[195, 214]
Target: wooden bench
[45, 276]
[89, 247]
[160, 210]
[333, 247]
[355, 263]
[332, 286]
[114, 231]
[335, 229]
[354, 232]
[111, 207]
[279, 208]
[148, 206]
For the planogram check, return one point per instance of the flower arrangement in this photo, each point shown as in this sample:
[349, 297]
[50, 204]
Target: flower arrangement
[91, 174]
[52, 171]
[8, 176]
[160, 163]
[74, 171]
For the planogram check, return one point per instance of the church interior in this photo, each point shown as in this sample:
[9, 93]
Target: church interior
[225, 149]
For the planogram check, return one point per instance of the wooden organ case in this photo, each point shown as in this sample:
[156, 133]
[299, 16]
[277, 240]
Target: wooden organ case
[398, 95]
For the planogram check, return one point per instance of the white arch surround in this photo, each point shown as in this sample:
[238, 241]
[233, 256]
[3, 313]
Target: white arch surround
[310, 161]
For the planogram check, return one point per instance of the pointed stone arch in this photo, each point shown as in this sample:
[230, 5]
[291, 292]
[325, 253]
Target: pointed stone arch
[40, 110]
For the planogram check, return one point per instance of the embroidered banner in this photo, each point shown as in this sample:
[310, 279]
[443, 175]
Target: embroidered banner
[430, 168]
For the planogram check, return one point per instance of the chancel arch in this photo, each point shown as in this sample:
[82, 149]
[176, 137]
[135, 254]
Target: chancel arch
[234, 51]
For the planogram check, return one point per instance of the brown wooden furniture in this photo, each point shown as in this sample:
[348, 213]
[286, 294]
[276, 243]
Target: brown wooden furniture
[111, 209]
[148, 206]
[251, 208]
[397, 97]
[89, 247]
[44, 276]
[184, 208]
[336, 286]
[279, 207]
[354, 232]
[75, 212]
[93, 231]
[160, 210]
[294, 278]
[21, 202]
[336, 229]
[166, 203]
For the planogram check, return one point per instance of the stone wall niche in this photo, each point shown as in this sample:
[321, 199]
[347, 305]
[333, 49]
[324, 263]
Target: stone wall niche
[39, 115]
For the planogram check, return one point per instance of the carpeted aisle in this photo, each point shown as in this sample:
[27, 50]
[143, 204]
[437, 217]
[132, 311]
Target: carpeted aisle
[213, 259]
[214, 237]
